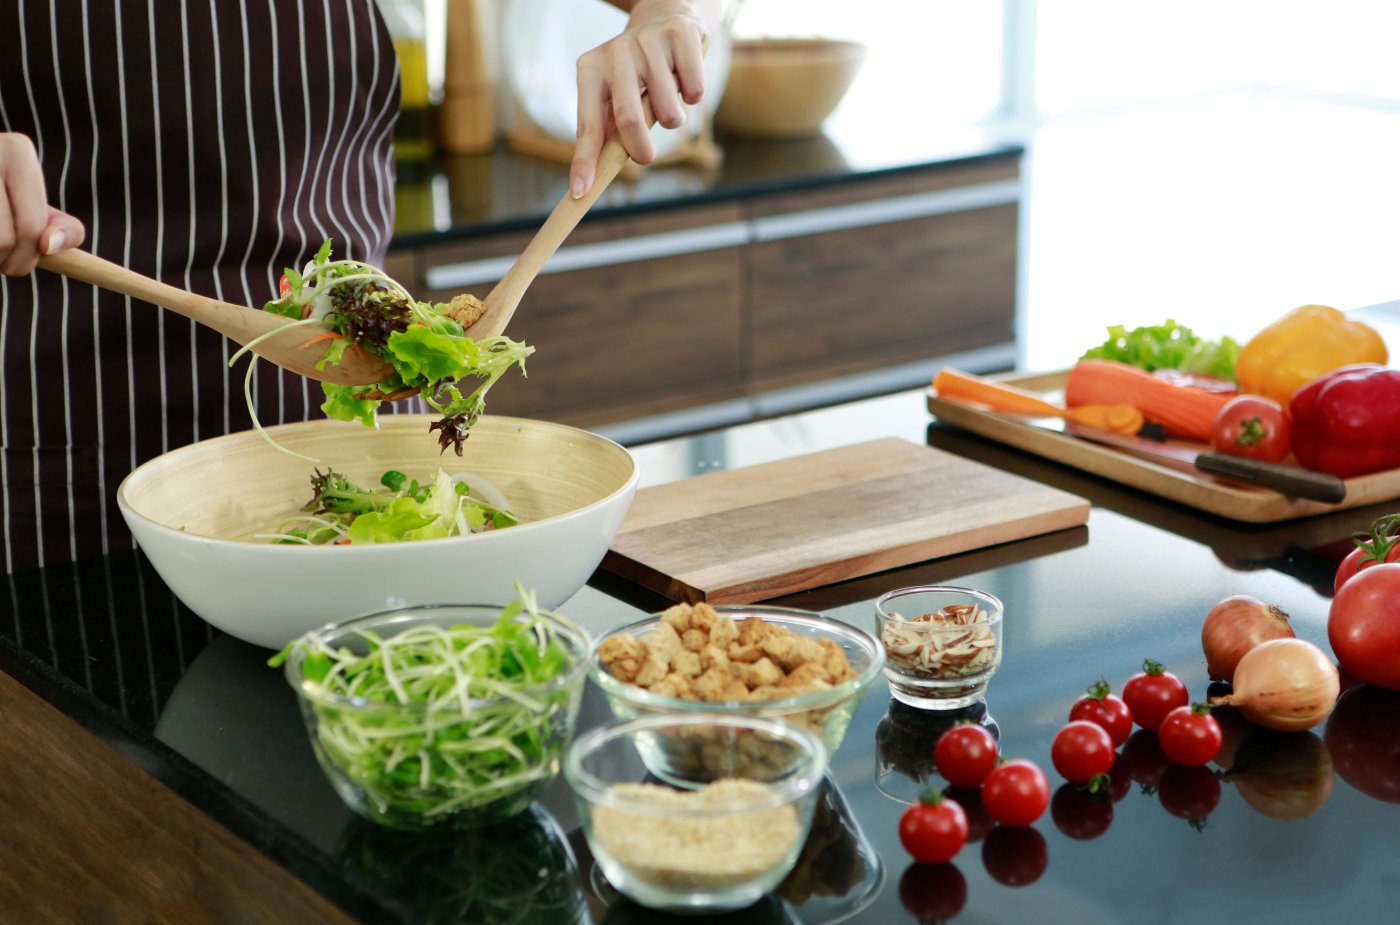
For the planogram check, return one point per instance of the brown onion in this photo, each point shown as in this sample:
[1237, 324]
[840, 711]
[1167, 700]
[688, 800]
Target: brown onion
[1236, 625]
[1284, 684]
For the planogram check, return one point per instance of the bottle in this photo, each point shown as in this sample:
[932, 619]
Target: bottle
[407, 24]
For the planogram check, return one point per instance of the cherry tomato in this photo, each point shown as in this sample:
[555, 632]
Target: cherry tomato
[1363, 735]
[1083, 753]
[932, 892]
[1015, 856]
[1016, 793]
[1190, 735]
[1079, 814]
[933, 829]
[1190, 793]
[1100, 705]
[284, 285]
[1153, 693]
[1145, 760]
[1363, 628]
[1253, 426]
[965, 755]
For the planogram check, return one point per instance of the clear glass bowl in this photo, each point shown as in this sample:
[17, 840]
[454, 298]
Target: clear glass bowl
[942, 664]
[679, 846]
[418, 766]
[827, 713]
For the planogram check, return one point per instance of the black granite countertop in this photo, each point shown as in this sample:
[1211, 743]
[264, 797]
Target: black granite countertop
[1307, 835]
[453, 197]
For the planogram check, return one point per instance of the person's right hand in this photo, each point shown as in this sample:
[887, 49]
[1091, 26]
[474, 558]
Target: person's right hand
[29, 226]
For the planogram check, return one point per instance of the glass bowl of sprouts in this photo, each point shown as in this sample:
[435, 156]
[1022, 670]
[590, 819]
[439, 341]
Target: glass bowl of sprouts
[440, 717]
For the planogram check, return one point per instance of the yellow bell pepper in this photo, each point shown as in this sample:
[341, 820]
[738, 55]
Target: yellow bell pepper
[1304, 344]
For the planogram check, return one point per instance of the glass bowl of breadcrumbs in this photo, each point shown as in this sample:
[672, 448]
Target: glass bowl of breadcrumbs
[774, 662]
[691, 839]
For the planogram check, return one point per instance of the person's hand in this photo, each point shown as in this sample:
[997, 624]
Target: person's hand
[661, 50]
[29, 226]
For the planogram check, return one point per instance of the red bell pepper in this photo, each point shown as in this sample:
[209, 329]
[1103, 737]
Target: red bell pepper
[1348, 421]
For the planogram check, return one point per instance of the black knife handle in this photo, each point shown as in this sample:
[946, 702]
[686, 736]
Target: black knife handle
[1291, 480]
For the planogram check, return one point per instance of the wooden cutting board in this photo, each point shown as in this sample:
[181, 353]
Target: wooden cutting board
[772, 529]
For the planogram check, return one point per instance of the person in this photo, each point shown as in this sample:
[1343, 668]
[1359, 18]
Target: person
[210, 146]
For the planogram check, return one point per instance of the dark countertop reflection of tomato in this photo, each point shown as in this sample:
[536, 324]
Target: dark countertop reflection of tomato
[932, 892]
[1363, 736]
[1015, 856]
[1189, 793]
[1079, 814]
[1144, 760]
[1120, 779]
[1283, 775]
[979, 821]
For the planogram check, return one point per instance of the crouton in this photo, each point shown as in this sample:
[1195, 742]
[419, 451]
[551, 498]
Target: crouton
[737, 691]
[663, 642]
[761, 673]
[723, 632]
[674, 685]
[687, 664]
[619, 647]
[703, 617]
[750, 654]
[805, 674]
[652, 671]
[789, 650]
[838, 667]
[625, 669]
[694, 640]
[713, 685]
[713, 655]
[754, 630]
[465, 309]
[678, 617]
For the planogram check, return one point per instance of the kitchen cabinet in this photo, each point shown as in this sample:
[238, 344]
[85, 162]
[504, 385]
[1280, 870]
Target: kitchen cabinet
[668, 303]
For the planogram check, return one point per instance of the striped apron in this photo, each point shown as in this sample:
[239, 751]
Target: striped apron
[207, 143]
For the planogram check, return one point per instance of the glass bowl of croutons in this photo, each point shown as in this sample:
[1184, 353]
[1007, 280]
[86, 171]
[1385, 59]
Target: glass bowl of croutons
[775, 662]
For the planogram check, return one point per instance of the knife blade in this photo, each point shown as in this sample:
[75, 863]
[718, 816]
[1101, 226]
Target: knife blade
[1289, 480]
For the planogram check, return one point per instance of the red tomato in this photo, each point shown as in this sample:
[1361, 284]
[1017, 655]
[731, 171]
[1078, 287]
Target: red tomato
[1108, 710]
[965, 755]
[1016, 793]
[1190, 793]
[1079, 814]
[933, 829]
[932, 892]
[1082, 752]
[1015, 856]
[1190, 735]
[1377, 551]
[1153, 693]
[1363, 628]
[1253, 426]
[284, 285]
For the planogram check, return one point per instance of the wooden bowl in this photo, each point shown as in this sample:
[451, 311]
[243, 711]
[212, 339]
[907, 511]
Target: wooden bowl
[196, 512]
[785, 88]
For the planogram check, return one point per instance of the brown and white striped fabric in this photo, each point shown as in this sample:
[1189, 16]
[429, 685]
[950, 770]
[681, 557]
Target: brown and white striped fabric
[209, 143]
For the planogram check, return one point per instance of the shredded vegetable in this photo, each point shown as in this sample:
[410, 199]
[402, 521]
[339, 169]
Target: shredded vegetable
[1169, 345]
[439, 720]
[349, 305]
[340, 512]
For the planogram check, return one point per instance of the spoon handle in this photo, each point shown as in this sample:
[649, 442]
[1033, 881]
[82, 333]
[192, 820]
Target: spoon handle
[235, 321]
[505, 297]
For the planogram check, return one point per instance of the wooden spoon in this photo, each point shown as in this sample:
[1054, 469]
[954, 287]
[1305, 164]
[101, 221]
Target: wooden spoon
[502, 301]
[237, 322]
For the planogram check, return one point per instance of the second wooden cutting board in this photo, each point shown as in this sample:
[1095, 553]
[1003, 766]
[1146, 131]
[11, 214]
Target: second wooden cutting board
[764, 531]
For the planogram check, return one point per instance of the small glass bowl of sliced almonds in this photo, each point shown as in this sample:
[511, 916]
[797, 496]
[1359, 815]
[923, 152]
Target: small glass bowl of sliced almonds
[942, 644]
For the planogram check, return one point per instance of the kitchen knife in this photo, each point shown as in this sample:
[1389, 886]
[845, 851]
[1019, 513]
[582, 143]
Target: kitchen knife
[1290, 480]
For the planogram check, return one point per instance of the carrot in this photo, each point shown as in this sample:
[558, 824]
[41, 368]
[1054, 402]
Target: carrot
[952, 383]
[329, 335]
[1183, 410]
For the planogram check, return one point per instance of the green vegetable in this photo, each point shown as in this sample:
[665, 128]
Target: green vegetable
[441, 720]
[340, 511]
[423, 344]
[1168, 346]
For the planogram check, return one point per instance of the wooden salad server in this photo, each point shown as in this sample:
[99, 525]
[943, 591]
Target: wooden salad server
[238, 323]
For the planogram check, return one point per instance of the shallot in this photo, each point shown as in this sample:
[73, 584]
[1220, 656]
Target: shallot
[1284, 684]
[1236, 625]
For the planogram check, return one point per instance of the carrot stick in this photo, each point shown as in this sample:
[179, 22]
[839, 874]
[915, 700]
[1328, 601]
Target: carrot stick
[329, 335]
[952, 383]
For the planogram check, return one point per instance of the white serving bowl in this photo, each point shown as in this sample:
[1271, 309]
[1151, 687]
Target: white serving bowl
[195, 512]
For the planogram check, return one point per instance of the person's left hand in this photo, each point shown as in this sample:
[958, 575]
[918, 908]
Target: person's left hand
[661, 51]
